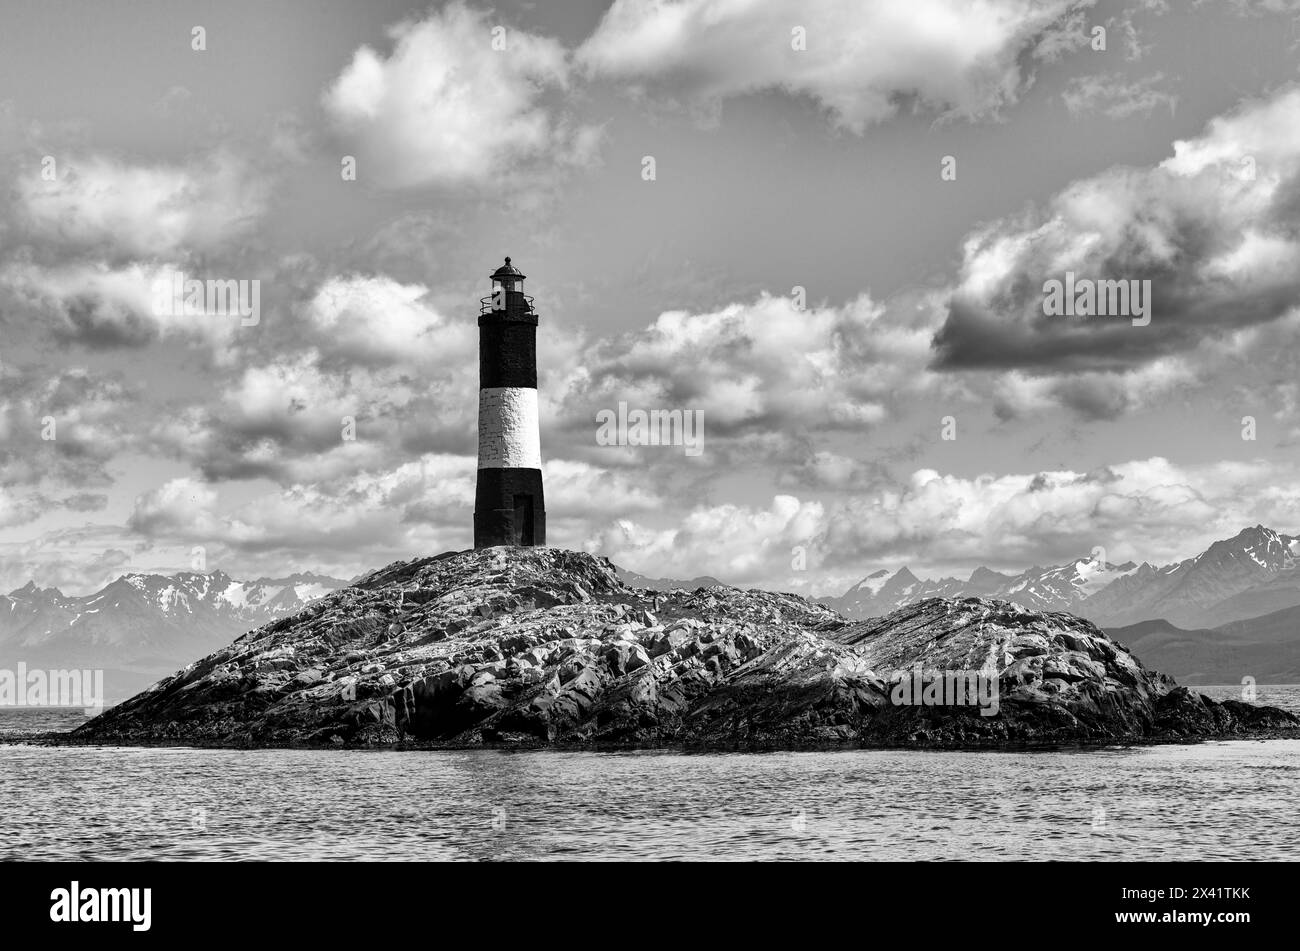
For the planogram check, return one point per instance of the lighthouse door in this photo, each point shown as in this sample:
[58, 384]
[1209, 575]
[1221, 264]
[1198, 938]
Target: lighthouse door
[523, 520]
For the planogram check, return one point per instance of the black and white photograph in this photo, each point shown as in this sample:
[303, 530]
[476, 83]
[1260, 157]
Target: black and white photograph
[644, 431]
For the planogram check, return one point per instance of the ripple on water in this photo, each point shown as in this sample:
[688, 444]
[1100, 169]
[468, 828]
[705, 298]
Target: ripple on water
[1223, 800]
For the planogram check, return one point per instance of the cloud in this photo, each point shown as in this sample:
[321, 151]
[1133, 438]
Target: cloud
[1146, 509]
[423, 506]
[65, 428]
[758, 367]
[766, 376]
[1215, 228]
[862, 62]
[377, 321]
[104, 307]
[18, 510]
[75, 560]
[291, 419]
[105, 234]
[1090, 396]
[732, 542]
[1150, 509]
[362, 348]
[321, 519]
[102, 205]
[823, 469]
[180, 504]
[1116, 97]
[1260, 7]
[446, 108]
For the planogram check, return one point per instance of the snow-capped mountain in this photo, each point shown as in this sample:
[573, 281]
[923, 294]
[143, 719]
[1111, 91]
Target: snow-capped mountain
[1255, 572]
[1063, 587]
[144, 625]
[1059, 588]
[882, 592]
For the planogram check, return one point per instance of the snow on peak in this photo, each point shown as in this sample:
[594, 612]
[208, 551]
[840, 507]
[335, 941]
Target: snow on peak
[874, 581]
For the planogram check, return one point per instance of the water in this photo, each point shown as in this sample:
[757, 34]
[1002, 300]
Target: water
[1220, 800]
[1283, 696]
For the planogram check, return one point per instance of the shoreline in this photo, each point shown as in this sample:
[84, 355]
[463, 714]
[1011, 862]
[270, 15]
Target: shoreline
[416, 746]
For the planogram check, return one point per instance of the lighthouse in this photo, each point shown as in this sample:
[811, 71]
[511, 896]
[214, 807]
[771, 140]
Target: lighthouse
[508, 505]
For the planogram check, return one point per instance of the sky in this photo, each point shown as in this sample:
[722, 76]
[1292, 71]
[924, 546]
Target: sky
[838, 263]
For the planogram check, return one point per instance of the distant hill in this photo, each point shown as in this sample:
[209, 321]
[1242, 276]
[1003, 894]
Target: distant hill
[634, 580]
[1266, 648]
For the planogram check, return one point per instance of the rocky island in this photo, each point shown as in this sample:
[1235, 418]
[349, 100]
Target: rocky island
[546, 647]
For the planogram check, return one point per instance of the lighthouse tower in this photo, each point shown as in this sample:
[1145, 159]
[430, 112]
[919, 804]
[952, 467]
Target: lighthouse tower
[508, 504]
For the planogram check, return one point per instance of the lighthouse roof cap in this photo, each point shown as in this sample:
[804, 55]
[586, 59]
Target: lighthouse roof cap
[508, 270]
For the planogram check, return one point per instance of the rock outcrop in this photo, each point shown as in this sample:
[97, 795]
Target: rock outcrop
[545, 646]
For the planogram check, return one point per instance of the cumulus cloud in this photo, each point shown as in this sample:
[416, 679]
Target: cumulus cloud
[379, 321]
[93, 246]
[289, 418]
[100, 204]
[760, 366]
[1214, 228]
[447, 108]
[102, 307]
[766, 376]
[369, 373]
[735, 543]
[1149, 509]
[358, 514]
[422, 506]
[1089, 395]
[862, 62]
[65, 428]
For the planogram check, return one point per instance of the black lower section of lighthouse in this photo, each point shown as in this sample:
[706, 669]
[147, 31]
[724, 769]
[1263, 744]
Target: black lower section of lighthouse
[508, 508]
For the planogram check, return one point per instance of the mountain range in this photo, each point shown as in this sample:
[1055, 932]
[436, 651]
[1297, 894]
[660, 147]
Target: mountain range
[1255, 572]
[634, 580]
[1229, 611]
[144, 626]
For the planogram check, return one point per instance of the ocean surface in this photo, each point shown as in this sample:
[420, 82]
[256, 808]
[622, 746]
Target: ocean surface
[1232, 800]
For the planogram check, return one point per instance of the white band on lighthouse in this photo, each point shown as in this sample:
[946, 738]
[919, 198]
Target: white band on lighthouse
[507, 428]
